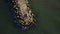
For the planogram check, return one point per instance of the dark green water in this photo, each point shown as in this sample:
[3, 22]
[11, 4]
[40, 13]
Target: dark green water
[47, 14]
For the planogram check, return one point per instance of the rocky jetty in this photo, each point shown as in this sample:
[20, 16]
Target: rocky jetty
[23, 14]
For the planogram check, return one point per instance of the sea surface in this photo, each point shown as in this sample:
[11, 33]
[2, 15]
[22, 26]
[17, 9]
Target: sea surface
[47, 13]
